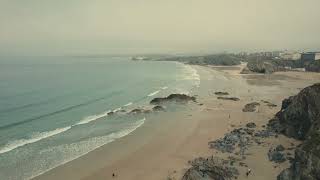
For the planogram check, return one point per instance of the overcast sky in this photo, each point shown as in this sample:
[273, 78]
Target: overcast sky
[156, 26]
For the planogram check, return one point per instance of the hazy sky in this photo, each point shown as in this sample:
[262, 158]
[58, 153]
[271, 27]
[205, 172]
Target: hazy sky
[155, 26]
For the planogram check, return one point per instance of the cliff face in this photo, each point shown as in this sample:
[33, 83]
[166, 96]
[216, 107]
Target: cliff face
[300, 118]
[299, 114]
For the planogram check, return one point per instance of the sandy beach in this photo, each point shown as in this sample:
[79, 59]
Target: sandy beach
[162, 147]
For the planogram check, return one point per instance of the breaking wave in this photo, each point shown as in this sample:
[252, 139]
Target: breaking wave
[34, 138]
[153, 93]
[129, 104]
[93, 118]
[69, 152]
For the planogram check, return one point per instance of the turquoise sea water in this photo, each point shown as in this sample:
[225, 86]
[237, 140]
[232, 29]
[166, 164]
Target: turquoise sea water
[55, 109]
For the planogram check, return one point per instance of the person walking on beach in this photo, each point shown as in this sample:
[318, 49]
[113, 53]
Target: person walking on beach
[248, 172]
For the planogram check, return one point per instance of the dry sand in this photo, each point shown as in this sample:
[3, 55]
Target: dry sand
[162, 148]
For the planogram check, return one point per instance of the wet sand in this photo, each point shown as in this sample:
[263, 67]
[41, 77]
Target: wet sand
[161, 148]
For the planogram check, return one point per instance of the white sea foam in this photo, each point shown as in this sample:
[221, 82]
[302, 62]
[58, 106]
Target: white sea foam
[165, 87]
[117, 109]
[93, 118]
[69, 152]
[192, 74]
[154, 93]
[34, 138]
[129, 104]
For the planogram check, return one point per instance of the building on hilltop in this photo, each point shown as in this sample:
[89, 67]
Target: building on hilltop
[310, 56]
[290, 55]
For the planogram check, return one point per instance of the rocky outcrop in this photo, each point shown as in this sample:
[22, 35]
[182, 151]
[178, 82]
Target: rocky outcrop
[139, 111]
[299, 114]
[306, 163]
[251, 107]
[158, 108]
[260, 67]
[300, 118]
[270, 66]
[177, 98]
[210, 169]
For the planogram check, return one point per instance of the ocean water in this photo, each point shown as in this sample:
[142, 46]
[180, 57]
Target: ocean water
[55, 109]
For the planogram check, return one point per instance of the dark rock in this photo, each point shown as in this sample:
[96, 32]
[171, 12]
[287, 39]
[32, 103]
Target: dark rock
[140, 111]
[280, 148]
[276, 156]
[251, 125]
[110, 113]
[177, 98]
[158, 108]
[210, 169]
[136, 111]
[251, 107]
[269, 103]
[249, 131]
[229, 98]
[300, 118]
[236, 138]
[221, 93]
[264, 133]
[285, 175]
[243, 164]
[299, 114]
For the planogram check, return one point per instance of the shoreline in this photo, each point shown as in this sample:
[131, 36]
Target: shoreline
[174, 139]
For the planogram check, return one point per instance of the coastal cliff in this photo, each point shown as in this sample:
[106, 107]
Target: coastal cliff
[299, 118]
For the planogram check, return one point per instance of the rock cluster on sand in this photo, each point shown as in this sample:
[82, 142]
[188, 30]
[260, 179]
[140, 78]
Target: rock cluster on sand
[300, 118]
[229, 98]
[236, 138]
[236, 142]
[251, 125]
[269, 103]
[157, 102]
[145, 111]
[177, 98]
[251, 107]
[210, 169]
[219, 93]
[276, 155]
